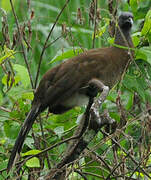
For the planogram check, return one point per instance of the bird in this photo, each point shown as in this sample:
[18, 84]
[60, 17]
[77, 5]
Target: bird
[66, 85]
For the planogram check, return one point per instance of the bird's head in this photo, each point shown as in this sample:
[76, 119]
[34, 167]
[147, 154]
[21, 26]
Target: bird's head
[125, 20]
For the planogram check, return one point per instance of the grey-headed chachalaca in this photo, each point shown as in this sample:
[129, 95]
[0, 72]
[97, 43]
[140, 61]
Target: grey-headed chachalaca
[66, 85]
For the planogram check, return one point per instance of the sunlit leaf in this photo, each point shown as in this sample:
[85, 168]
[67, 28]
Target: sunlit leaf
[31, 152]
[147, 25]
[102, 29]
[33, 162]
[133, 4]
[69, 53]
[144, 53]
[23, 74]
[8, 53]
[5, 4]
[28, 95]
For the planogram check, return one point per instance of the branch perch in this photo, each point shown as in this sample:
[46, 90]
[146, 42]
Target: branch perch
[77, 146]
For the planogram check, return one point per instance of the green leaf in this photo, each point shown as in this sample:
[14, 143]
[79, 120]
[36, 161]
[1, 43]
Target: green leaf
[16, 92]
[133, 4]
[102, 29]
[8, 53]
[5, 4]
[28, 95]
[3, 174]
[128, 98]
[133, 84]
[69, 53]
[112, 96]
[59, 130]
[147, 25]
[140, 54]
[30, 142]
[115, 116]
[23, 74]
[136, 40]
[33, 162]
[31, 152]
[144, 53]
[11, 81]
[2, 150]
[11, 129]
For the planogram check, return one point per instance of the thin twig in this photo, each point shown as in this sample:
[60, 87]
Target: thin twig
[54, 41]
[5, 109]
[43, 136]
[45, 44]
[95, 24]
[22, 46]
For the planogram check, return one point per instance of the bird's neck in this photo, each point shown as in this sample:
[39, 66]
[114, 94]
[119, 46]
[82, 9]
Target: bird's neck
[123, 38]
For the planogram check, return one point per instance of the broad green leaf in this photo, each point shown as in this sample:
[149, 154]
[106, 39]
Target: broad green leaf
[28, 95]
[147, 25]
[31, 152]
[144, 53]
[11, 129]
[133, 4]
[127, 98]
[5, 4]
[140, 54]
[133, 84]
[112, 96]
[115, 116]
[23, 74]
[67, 54]
[136, 40]
[33, 162]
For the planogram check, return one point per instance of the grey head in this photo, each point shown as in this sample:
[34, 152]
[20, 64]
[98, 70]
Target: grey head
[125, 20]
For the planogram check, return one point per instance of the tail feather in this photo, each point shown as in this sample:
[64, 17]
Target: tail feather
[33, 113]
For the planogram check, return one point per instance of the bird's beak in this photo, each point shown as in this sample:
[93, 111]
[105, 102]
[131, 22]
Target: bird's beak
[130, 20]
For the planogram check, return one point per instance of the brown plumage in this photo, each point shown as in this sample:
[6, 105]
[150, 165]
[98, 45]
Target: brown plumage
[65, 86]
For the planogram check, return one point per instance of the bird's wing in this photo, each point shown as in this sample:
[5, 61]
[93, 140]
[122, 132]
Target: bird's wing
[64, 86]
[63, 81]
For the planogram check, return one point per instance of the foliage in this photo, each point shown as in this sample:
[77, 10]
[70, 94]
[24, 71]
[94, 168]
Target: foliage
[128, 102]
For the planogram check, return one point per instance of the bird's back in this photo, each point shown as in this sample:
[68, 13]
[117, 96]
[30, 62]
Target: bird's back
[56, 85]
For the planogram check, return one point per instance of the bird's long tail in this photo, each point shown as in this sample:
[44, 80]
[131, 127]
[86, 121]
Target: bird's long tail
[33, 113]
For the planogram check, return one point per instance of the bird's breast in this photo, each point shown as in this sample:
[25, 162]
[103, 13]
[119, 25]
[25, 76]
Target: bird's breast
[76, 99]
